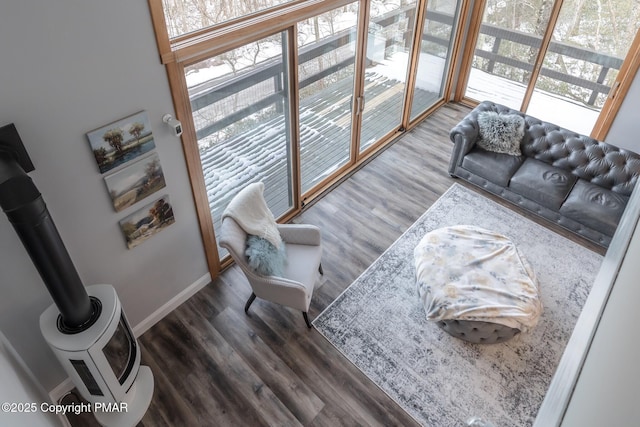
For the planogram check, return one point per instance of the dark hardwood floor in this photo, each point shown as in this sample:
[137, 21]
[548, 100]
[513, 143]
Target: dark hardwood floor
[216, 366]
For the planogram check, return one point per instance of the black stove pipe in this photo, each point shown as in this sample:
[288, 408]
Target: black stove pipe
[27, 212]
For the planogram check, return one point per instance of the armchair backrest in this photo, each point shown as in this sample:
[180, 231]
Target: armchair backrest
[233, 238]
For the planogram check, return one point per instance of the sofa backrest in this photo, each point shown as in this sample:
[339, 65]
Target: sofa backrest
[602, 164]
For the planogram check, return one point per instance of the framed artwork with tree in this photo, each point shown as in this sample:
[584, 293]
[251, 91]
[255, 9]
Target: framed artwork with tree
[122, 141]
[135, 182]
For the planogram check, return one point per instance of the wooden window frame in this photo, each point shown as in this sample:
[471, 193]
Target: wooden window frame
[619, 91]
[180, 52]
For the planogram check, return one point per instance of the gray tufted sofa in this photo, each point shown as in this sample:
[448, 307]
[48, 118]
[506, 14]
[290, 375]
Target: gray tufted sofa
[570, 179]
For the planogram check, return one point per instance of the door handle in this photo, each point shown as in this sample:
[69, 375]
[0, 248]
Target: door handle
[359, 105]
[614, 90]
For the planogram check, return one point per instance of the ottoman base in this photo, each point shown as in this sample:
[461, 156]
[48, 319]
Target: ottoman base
[478, 332]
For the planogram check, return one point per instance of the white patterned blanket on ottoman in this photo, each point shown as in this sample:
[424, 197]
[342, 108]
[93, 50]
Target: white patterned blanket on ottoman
[467, 273]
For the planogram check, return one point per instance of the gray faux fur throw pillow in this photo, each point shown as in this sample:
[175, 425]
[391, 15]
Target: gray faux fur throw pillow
[264, 258]
[501, 133]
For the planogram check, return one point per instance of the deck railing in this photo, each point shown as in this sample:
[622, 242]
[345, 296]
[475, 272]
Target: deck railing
[606, 62]
[212, 92]
[209, 93]
[268, 70]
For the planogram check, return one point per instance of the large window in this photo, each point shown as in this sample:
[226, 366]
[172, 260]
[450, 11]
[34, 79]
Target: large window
[557, 60]
[588, 46]
[506, 51]
[295, 94]
[389, 43]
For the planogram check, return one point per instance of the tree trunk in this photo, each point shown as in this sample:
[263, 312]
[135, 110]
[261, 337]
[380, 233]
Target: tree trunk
[542, 21]
[571, 31]
[316, 30]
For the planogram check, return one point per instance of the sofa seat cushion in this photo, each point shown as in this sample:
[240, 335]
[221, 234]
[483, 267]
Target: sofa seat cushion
[495, 167]
[542, 183]
[594, 206]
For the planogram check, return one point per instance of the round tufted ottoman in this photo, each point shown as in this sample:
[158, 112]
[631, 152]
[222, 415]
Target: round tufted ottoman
[475, 284]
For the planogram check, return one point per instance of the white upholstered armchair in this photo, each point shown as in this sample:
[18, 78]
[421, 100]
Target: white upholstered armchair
[295, 287]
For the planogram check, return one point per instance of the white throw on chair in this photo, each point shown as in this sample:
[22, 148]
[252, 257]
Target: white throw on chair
[294, 287]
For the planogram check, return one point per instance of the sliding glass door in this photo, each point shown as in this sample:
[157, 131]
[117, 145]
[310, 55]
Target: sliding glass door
[327, 46]
[241, 109]
[388, 47]
[295, 94]
[435, 54]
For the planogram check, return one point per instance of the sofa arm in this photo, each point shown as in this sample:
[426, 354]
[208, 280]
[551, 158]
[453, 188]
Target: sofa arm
[462, 146]
[463, 136]
[466, 130]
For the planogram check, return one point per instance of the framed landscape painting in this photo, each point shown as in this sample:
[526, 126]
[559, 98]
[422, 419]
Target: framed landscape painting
[135, 182]
[146, 222]
[119, 142]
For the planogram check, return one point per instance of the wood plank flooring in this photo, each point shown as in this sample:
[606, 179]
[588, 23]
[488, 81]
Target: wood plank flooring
[216, 366]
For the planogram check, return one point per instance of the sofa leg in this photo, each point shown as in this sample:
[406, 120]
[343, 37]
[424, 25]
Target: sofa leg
[249, 302]
[306, 319]
[320, 269]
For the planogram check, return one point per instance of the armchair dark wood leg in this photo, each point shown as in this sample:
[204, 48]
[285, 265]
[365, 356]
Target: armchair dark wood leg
[249, 302]
[306, 319]
[320, 269]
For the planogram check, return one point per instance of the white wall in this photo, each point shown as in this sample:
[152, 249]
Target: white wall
[69, 67]
[623, 132]
[18, 386]
[606, 393]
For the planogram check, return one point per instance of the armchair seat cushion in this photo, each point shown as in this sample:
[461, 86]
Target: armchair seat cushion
[302, 264]
[594, 206]
[542, 183]
[495, 167]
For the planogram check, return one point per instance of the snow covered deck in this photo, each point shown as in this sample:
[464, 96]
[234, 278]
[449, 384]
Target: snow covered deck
[260, 154]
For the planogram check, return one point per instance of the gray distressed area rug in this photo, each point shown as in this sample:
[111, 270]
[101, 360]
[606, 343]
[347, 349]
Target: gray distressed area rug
[379, 324]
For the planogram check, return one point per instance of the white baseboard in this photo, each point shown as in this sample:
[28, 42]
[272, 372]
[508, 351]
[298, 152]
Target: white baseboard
[67, 385]
[171, 305]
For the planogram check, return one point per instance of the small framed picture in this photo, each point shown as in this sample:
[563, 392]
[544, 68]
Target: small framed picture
[146, 222]
[120, 142]
[135, 182]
